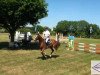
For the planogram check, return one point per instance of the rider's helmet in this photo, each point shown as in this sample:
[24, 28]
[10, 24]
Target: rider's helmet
[46, 28]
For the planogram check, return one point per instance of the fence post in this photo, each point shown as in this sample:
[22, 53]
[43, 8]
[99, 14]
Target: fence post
[86, 47]
[81, 46]
[76, 46]
[98, 49]
[92, 48]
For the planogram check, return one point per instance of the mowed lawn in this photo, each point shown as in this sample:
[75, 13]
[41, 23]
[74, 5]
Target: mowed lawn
[29, 62]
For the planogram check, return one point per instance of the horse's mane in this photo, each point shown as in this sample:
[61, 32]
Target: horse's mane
[40, 36]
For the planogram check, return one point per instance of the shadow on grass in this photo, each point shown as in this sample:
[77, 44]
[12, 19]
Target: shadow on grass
[48, 57]
[4, 45]
[32, 46]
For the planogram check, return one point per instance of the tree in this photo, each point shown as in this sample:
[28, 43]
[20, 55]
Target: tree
[62, 26]
[38, 28]
[77, 28]
[16, 13]
[95, 31]
[26, 29]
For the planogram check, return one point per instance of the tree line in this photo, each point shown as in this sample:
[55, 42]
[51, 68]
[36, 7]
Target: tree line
[78, 28]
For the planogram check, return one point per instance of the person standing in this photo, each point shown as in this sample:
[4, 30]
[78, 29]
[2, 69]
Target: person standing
[29, 36]
[57, 37]
[16, 37]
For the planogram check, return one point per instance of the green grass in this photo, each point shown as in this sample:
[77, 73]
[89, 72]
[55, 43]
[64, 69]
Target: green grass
[63, 62]
[88, 40]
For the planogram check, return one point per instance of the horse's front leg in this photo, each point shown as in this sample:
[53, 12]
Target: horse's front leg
[43, 54]
[52, 51]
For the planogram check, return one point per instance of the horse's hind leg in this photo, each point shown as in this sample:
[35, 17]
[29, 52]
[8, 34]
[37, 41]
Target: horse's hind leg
[52, 51]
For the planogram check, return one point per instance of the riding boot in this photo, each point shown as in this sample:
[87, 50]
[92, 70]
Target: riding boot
[48, 43]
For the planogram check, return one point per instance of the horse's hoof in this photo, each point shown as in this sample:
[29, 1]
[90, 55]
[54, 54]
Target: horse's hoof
[45, 57]
[50, 56]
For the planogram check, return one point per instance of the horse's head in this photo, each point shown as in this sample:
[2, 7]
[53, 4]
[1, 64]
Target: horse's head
[38, 37]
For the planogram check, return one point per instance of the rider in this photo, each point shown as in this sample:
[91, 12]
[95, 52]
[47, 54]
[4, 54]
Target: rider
[46, 35]
[29, 36]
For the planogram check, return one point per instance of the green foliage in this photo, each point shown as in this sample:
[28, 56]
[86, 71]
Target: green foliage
[53, 33]
[16, 13]
[62, 26]
[40, 28]
[37, 28]
[78, 28]
[26, 29]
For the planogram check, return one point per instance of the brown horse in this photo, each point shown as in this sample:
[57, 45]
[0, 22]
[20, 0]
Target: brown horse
[53, 45]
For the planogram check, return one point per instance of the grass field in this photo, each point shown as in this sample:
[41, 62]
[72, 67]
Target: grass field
[63, 62]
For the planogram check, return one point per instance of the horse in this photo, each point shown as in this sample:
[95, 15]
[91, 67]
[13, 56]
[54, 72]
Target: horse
[53, 45]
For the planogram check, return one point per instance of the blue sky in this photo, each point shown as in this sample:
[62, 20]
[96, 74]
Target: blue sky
[72, 10]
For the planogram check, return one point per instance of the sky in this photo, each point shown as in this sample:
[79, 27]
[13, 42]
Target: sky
[71, 10]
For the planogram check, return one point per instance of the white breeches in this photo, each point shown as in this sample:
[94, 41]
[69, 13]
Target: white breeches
[47, 39]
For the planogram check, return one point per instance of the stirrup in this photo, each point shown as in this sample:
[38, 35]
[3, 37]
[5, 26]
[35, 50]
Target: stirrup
[47, 44]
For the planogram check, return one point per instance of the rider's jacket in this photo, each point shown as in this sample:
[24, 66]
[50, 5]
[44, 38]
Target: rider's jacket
[46, 34]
